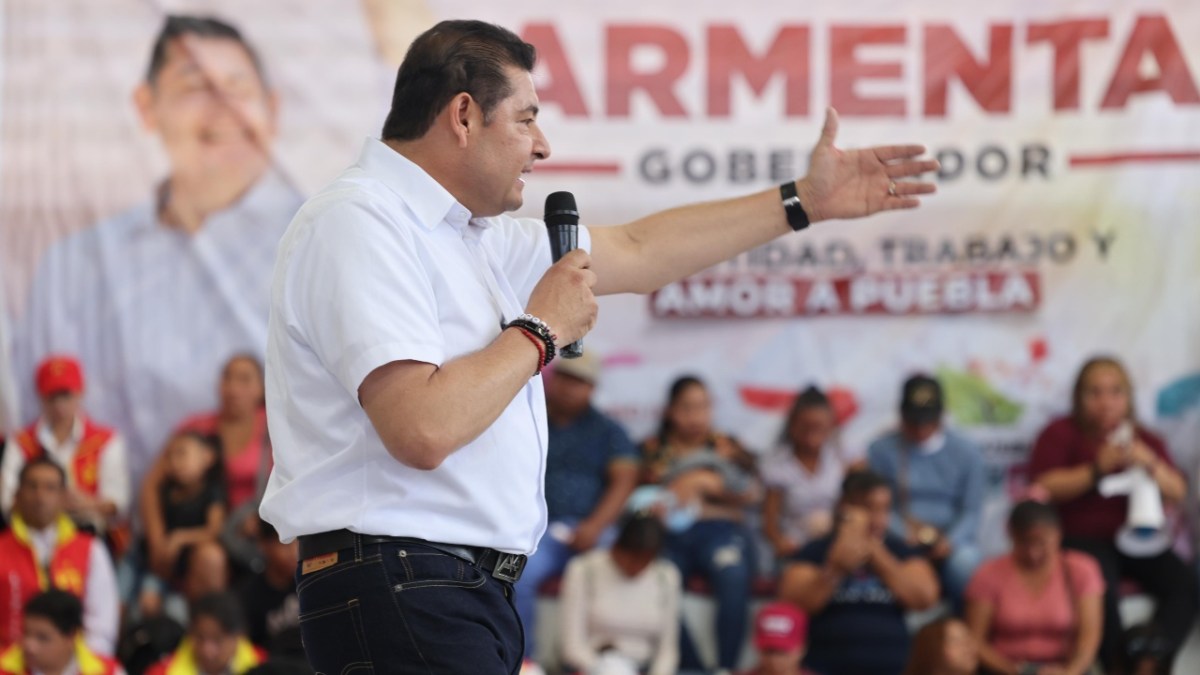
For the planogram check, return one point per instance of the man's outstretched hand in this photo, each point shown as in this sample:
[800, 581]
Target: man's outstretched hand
[856, 183]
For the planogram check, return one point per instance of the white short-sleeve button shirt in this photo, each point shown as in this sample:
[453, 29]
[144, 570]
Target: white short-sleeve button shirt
[385, 265]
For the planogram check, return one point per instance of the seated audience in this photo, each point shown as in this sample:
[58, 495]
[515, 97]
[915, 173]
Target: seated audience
[43, 549]
[946, 647]
[1071, 459]
[1037, 607]
[938, 480]
[240, 425]
[240, 421]
[856, 584]
[93, 456]
[272, 608]
[52, 641]
[591, 467]
[803, 477]
[182, 545]
[712, 480]
[622, 605]
[215, 643]
[779, 634]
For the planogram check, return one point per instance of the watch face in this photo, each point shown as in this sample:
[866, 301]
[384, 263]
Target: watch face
[927, 535]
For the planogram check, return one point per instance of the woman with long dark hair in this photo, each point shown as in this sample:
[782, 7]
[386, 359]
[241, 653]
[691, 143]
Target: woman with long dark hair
[712, 478]
[804, 476]
[1070, 460]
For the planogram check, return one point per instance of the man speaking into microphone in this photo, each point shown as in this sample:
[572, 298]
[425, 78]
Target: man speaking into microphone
[410, 319]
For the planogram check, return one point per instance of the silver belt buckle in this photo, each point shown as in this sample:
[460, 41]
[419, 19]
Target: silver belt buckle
[509, 567]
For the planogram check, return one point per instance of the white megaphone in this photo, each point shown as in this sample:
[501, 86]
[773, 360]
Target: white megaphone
[1143, 533]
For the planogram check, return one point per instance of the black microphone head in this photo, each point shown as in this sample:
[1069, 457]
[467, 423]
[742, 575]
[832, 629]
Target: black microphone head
[561, 209]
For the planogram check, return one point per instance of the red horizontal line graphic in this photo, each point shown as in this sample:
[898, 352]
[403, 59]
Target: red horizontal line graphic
[579, 167]
[1134, 158]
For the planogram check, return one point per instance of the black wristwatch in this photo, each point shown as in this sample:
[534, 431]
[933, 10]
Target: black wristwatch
[796, 216]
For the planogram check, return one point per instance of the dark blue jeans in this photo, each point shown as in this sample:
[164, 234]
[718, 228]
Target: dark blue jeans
[407, 608]
[721, 551]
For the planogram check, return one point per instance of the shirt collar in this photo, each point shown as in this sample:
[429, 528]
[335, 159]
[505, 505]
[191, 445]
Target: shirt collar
[271, 194]
[45, 435]
[931, 445]
[429, 202]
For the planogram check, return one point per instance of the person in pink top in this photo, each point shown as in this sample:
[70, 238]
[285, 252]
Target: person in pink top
[240, 423]
[1037, 610]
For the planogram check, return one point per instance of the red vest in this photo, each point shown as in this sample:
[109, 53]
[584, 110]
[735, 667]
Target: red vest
[85, 465]
[21, 578]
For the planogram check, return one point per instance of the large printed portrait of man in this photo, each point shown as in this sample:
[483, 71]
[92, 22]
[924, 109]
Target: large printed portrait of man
[143, 214]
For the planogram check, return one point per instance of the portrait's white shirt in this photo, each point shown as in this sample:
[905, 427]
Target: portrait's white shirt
[10, 418]
[153, 313]
[385, 265]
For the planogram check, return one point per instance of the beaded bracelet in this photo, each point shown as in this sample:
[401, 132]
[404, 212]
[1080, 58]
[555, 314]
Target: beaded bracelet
[537, 342]
[541, 325]
[541, 330]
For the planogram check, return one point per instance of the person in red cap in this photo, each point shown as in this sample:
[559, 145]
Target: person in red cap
[779, 634]
[92, 455]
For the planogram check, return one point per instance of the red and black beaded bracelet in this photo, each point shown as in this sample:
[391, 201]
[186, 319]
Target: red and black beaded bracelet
[531, 324]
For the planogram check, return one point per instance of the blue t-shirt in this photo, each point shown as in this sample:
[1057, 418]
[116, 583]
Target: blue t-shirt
[862, 630]
[577, 462]
[945, 488]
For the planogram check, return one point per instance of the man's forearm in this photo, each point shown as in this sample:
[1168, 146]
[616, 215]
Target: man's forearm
[622, 481]
[446, 407]
[644, 255]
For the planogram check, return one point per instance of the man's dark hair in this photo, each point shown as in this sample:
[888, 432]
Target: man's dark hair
[222, 607]
[39, 461]
[60, 608]
[641, 533]
[446, 60]
[178, 25]
[858, 484]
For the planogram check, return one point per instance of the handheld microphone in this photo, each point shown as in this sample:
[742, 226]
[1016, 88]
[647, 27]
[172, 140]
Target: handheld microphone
[562, 223]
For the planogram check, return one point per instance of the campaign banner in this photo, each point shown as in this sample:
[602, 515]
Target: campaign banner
[1064, 227]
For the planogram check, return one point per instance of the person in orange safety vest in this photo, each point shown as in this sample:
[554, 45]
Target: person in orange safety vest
[94, 456]
[52, 641]
[43, 550]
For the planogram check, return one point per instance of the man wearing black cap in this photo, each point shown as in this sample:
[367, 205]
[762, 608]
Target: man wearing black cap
[938, 478]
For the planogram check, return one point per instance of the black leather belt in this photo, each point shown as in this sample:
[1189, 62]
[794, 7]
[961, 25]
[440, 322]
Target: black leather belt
[501, 565]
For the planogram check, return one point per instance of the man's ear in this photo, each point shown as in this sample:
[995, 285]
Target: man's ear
[143, 99]
[463, 117]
